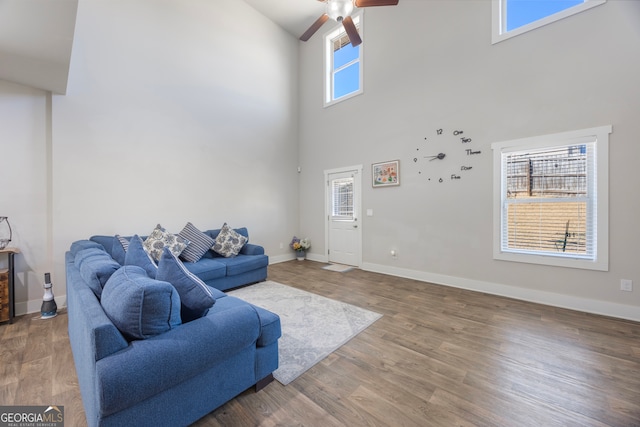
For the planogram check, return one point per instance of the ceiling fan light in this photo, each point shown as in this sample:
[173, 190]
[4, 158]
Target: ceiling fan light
[339, 9]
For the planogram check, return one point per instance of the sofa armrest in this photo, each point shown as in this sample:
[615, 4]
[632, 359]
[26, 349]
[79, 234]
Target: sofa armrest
[150, 366]
[251, 249]
[91, 332]
[270, 327]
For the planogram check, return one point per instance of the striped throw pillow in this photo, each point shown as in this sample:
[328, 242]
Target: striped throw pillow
[199, 243]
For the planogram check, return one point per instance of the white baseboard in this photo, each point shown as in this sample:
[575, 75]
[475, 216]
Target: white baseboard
[622, 311]
[280, 258]
[284, 258]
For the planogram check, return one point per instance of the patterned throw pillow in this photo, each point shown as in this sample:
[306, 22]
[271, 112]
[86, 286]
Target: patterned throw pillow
[229, 242]
[199, 243]
[159, 238]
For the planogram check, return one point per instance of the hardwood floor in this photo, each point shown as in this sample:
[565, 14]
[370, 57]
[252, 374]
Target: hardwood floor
[438, 357]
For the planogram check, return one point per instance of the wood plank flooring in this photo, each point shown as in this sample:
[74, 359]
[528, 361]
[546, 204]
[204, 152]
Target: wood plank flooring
[438, 357]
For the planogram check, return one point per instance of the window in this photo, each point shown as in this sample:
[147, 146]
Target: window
[551, 200]
[343, 65]
[342, 199]
[514, 17]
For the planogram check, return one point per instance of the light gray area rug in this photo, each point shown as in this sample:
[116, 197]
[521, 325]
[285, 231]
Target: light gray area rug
[312, 326]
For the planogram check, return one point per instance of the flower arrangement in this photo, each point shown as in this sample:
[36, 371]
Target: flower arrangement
[300, 245]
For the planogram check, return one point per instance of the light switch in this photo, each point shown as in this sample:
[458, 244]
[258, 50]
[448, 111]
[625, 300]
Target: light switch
[369, 212]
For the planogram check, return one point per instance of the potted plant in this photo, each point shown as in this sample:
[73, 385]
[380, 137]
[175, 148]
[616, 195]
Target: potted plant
[301, 246]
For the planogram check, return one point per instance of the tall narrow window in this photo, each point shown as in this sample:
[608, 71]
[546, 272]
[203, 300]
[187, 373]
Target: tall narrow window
[514, 17]
[552, 199]
[342, 199]
[343, 65]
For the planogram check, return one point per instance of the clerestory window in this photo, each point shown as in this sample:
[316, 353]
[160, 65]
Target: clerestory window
[551, 199]
[343, 64]
[514, 17]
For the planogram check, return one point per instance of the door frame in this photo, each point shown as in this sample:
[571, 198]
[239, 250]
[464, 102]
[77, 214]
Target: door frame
[357, 206]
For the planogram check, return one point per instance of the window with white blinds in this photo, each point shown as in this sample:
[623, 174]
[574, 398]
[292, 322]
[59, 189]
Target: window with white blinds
[342, 199]
[551, 197]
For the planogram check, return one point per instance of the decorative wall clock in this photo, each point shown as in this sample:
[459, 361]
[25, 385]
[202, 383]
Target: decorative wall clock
[446, 156]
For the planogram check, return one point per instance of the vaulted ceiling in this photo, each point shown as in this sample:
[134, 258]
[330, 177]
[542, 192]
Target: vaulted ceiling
[295, 16]
[36, 36]
[35, 42]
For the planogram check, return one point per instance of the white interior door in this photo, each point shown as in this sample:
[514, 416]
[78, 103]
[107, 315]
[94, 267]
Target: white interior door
[344, 232]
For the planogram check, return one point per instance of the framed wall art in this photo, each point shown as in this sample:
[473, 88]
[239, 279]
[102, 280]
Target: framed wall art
[385, 174]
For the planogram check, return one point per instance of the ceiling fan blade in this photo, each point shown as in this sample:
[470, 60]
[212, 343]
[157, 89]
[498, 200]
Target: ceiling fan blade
[369, 3]
[314, 27]
[352, 31]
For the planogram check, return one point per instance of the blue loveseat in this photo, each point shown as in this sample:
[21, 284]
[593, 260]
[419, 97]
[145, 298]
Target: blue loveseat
[167, 377]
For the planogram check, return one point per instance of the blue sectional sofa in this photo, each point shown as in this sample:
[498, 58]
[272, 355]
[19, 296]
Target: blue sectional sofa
[249, 266]
[173, 372]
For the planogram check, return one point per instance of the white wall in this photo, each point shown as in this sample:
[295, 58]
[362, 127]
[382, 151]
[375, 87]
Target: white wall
[188, 111]
[431, 65]
[24, 169]
[175, 111]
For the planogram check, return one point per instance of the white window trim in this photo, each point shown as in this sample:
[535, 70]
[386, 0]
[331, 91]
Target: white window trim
[601, 134]
[498, 17]
[358, 19]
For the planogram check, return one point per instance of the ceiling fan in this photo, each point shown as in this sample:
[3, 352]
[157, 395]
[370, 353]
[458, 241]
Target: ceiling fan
[340, 11]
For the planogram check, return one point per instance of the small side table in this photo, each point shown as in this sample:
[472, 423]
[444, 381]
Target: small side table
[9, 285]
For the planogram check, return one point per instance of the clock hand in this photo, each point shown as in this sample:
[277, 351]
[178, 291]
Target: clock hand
[440, 156]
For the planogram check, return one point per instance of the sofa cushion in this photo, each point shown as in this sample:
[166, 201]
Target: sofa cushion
[270, 327]
[106, 242]
[195, 297]
[84, 244]
[136, 255]
[96, 267]
[139, 306]
[243, 263]
[199, 243]
[207, 268]
[217, 293]
[159, 238]
[179, 366]
[229, 242]
[119, 248]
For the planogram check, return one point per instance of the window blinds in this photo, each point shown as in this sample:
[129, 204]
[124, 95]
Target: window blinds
[342, 198]
[548, 201]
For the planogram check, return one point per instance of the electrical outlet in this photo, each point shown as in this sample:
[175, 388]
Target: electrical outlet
[626, 285]
[281, 245]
